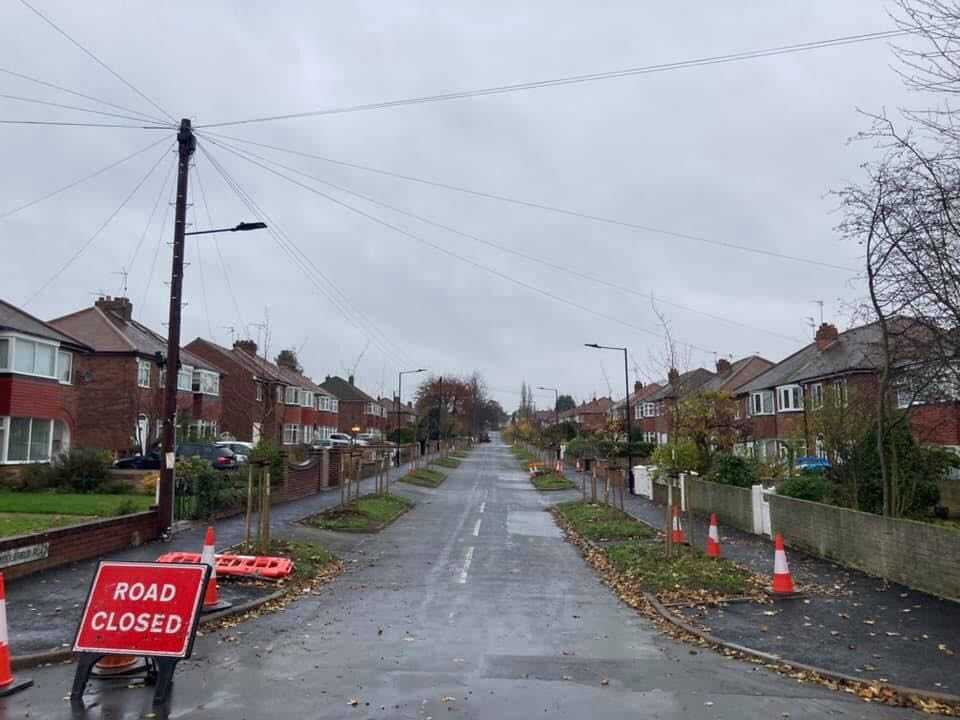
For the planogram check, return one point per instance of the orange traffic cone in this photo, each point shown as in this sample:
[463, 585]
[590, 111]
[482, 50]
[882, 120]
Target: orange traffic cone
[679, 536]
[782, 581]
[114, 665]
[8, 683]
[713, 538]
[211, 600]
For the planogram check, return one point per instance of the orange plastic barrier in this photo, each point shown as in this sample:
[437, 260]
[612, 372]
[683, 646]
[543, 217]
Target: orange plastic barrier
[258, 566]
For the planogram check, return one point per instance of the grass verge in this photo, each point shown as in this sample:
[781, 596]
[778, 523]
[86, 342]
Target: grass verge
[448, 462]
[596, 521]
[73, 503]
[424, 477]
[370, 513]
[551, 481]
[688, 570]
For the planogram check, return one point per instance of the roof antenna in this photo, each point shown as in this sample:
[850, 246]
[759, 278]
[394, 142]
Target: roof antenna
[820, 303]
[812, 323]
[123, 283]
[233, 332]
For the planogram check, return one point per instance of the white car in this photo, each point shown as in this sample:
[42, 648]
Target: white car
[241, 449]
[340, 439]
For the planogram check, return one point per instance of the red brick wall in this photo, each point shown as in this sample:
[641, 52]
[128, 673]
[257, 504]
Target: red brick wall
[35, 397]
[83, 542]
[350, 415]
[937, 424]
[109, 401]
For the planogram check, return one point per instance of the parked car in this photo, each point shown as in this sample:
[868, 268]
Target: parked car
[813, 463]
[322, 444]
[484, 437]
[241, 449]
[150, 461]
[341, 439]
[222, 458]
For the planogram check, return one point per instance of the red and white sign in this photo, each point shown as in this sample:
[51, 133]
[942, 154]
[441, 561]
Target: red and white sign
[142, 609]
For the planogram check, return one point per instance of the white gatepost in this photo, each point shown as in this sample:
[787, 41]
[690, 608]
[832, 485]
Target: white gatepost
[761, 509]
[683, 492]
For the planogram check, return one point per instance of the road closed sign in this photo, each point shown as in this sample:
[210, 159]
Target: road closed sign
[148, 609]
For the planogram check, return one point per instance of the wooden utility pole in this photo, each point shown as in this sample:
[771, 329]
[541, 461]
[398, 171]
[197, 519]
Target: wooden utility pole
[186, 143]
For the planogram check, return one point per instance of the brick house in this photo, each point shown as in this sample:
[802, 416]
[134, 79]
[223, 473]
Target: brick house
[120, 382]
[638, 405]
[39, 405]
[663, 403]
[407, 414]
[310, 413]
[357, 409]
[777, 406]
[590, 416]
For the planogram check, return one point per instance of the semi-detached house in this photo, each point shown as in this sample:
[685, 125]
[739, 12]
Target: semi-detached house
[38, 392]
[357, 409]
[120, 383]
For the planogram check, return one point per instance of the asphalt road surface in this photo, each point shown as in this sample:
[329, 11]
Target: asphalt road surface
[472, 605]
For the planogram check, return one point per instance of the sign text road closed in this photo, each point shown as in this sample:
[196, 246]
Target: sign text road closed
[142, 609]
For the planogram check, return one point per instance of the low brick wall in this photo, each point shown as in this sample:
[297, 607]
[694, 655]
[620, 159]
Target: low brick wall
[77, 542]
[733, 505]
[915, 554]
[950, 495]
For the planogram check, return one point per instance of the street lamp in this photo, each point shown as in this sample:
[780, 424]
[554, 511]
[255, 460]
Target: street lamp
[400, 402]
[626, 380]
[556, 412]
[240, 227]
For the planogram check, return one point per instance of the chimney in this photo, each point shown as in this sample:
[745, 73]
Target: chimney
[351, 379]
[119, 306]
[637, 387]
[673, 376]
[723, 366]
[248, 346]
[826, 335]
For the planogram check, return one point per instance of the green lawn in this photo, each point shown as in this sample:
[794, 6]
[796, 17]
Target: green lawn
[448, 462]
[24, 523]
[424, 477]
[644, 561]
[72, 504]
[367, 514]
[551, 481]
[602, 522]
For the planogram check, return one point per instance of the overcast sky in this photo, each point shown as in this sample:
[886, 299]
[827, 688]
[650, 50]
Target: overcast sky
[743, 153]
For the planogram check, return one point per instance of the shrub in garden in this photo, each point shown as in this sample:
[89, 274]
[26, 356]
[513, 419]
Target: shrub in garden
[210, 490]
[733, 470]
[807, 486]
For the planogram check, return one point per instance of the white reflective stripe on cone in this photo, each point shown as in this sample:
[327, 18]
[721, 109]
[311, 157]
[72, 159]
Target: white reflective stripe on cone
[780, 563]
[3, 623]
[208, 557]
[714, 535]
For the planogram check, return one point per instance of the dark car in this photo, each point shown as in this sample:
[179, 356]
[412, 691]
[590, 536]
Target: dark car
[222, 458]
[150, 461]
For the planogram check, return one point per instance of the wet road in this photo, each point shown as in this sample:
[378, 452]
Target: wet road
[470, 606]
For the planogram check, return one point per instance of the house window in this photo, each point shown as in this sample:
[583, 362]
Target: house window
[306, 399]
[28, 439]
[64, 366]
[293, 396]
[307, 433]
[816, 396]
[334, 405]
[34, 358]
[840, 392]
[206, 382]
[185, 379]
[761, 403]
[279, 394]
[291, 434]
[4, 354]
[143, 373]
[790, 398]
[203, 430]
[259, 392]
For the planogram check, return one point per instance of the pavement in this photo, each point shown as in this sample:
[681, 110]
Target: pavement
[471, 605]
[848, 622]
[43, 609]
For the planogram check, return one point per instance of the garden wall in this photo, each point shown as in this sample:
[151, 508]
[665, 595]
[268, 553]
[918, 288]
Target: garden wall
[26, 554]
[918, 555]
[733, 505]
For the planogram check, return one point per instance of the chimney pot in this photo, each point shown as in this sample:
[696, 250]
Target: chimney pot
[723, 365]
[826, 335]
[351, 379]
[637, 387]
[247, 346]
[121, 307]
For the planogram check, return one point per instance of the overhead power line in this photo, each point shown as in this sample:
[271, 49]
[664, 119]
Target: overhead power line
[578, 79]
[62, 123]
[512, 251]
[76, 108]
[451, 253]
[97, 60]
[543, 206]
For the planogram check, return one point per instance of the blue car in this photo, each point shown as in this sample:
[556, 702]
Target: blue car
[813, 464]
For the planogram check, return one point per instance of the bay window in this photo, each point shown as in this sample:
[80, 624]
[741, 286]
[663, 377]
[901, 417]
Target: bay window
[790, 398]
[25, 440]
[293, 396]
[206, 382]
[761, 403]
[32, 358]
[306, 399]
[185, 378]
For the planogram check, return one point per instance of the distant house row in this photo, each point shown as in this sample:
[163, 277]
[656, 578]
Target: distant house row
[773, 403]
[95, 378]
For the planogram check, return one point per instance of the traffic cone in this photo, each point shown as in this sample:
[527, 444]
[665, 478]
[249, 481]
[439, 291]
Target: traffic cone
[114, 665]
[713, 538]
[679, 536]
[8, 683]
[211, 600]
[782, 580]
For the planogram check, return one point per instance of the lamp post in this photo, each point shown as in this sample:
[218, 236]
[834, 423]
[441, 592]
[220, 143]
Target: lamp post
[399, 402]
[626, 380]
[556, 413]
[186, 144]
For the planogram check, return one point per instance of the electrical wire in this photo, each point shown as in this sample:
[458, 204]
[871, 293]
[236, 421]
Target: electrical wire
[93, 57]
[83, 248]
[131, 263]
[336, 296]
[79, 181]
[156, 250]
[544, 206]
[61, 123]
[61, 88]
[518, 253]
[578, 79]
[203, 280]
[469, 261]
[36, 101]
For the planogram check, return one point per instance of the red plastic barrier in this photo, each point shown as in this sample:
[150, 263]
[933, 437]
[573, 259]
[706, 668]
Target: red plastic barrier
[269, 568]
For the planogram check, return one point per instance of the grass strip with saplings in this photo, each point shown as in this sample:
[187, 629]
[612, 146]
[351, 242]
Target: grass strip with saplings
[688, 570]
[370, 513]
[424, 477]
[448, 462]
[551, 481]
[599, 522]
